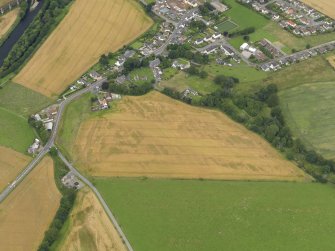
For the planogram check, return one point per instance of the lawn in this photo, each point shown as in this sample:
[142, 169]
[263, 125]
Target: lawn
[22, 100]
[90, 29]
[15, 132]
[241, 71]
[142, 76]
[309, 111]
[213, 215]
[181, 81]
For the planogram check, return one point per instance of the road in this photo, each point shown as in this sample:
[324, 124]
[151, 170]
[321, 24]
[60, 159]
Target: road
[50, 142]
[102, 201]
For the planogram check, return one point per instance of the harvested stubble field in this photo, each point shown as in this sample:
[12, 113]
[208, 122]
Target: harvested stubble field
[27, 213]
[156, 136]
[11, 163]
[327, 7]
[90, 29]
[89, 227]
[6, 21]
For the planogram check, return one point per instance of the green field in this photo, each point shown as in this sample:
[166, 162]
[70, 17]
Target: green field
[213, 215]
[309, 111]
[181, 81]
[226, 26]
[74, 114]
[15, 132]
[313, 70]
[21, 100]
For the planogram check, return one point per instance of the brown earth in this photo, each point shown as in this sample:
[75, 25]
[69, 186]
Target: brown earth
[27, 213]
[11, 163]
[90, 228]
[156, 136]
[90, 29]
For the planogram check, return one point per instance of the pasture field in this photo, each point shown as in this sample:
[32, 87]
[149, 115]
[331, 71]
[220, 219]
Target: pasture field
[15, 131]
[11, 163]
[331, 60]
[215, 215]
[90, 29]
[313, 70]
[21, 100]
[309, 111]
[89, 227]
[156, 136]
[27, 213]
[7, 20]
[326, 7]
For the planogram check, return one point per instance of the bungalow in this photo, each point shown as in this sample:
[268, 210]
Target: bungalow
[154, 63]
[227, 51]
[216, 35]
[210, 49]
[82, 81]
[198, 41]
[208, 39]
[95, 75]
[192, 3]
[181, 64]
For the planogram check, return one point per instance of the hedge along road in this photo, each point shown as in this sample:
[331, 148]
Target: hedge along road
[46, 149]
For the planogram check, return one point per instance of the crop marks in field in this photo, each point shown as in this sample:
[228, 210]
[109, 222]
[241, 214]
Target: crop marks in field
[90, 29]
[157, 136]
[26, 214]
[89, 219]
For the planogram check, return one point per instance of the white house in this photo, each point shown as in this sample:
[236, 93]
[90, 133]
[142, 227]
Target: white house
[216, 35]
[244, 46]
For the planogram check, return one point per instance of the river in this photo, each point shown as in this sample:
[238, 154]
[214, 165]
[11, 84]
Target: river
[18, 32]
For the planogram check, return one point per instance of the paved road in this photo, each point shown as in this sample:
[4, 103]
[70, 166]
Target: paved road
[46, 149]
[102, 201]
[50, 142]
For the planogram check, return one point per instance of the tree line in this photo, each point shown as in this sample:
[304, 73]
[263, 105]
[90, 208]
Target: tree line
[260, 112]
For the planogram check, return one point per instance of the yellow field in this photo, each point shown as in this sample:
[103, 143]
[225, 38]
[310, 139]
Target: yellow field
[8, 20]
[327, 7]
[90, 29]
[11, 163]
[156, 136]
[331, 60]
[90, 227]
[27, 213]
